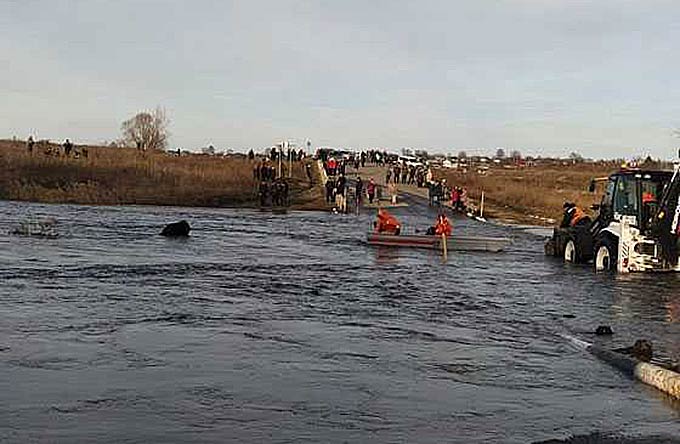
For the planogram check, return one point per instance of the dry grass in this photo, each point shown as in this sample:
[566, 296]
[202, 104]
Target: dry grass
[128, 176]
[525, 193]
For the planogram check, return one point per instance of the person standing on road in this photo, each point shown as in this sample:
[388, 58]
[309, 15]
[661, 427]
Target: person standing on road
[370, 189]
[455, 198]
[340, 199]
[359, 193]
[308, 171]
[329, 190]
[392, 188]
[68, 146]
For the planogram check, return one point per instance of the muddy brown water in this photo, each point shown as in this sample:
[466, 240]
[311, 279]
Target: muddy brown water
[288, 328]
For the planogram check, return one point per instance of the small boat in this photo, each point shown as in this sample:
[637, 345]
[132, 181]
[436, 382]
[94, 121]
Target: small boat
[453, 243]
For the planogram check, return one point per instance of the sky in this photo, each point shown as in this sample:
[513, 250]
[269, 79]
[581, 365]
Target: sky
[545, 77]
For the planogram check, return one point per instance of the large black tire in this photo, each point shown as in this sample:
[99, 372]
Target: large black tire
[572, 252]
[606, 254]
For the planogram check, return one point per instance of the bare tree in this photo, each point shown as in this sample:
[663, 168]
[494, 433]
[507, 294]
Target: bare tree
[147, 130]
[575, 157]
[516, 156]
[500, 153]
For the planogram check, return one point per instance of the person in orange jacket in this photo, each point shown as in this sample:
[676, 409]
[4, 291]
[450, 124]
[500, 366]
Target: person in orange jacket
[386, 223]
[443, 226]
[574, 216]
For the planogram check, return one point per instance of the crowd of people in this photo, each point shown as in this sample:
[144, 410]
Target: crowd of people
[400, 172]
[66, 149]
[337, 163]
[338, 192]
[272, 191]
[439, 192]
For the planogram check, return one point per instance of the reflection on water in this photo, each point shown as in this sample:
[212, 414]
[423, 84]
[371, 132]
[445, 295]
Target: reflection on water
[266, 327]
[386, 255]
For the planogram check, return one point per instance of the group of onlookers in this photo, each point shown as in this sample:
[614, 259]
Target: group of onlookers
[67, 149]
[439, 193]
[406, 174]
[273, 193]
[264, 170]
[337, 191]
[333, 166]
[271, 190]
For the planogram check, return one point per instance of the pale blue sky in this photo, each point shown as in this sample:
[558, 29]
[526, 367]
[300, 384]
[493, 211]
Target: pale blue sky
[542, 76]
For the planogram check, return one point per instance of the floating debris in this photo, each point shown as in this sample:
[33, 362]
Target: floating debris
[46, 228]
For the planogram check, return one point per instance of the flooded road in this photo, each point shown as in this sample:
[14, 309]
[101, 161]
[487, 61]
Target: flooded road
[288, 328]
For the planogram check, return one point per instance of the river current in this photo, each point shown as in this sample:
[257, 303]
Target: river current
[289, 328]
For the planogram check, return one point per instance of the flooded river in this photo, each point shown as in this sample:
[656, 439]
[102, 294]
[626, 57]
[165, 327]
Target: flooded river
[288, 328]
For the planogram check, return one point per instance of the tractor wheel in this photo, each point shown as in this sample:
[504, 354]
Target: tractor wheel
[606, 251]
[570, 253]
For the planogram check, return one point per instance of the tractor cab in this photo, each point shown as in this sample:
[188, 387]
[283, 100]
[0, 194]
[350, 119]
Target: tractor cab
[634, 193]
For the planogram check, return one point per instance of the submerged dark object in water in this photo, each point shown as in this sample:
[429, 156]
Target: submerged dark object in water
[176, 229]
[604, 330]
[45, 228]
[641, 350]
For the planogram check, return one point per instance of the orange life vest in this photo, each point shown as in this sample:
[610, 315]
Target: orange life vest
[386, 222]
[443, 226]
[577, 216]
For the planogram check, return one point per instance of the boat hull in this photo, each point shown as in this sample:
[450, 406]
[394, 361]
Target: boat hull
[453, 243]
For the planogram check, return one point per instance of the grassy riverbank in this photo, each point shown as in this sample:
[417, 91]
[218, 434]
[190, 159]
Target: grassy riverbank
[533, 194]
[110, 176]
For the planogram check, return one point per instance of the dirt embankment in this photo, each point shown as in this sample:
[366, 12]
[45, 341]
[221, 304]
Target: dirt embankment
[111, 176]
[533, 194]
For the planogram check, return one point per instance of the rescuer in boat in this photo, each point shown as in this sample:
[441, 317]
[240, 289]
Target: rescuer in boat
[386, 223]
[573, 216]
[443, 226]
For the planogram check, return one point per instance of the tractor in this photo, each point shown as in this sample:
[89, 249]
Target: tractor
[636, 227]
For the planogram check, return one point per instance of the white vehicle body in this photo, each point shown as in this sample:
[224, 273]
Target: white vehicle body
[635, 251]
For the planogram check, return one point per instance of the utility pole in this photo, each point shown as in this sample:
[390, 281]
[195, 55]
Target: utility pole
[291, 146]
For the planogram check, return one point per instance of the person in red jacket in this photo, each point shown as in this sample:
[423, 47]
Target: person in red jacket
[443, 226]
[386, 223]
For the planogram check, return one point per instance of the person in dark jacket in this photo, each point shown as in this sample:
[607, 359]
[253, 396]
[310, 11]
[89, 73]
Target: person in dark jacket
[330, 186]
